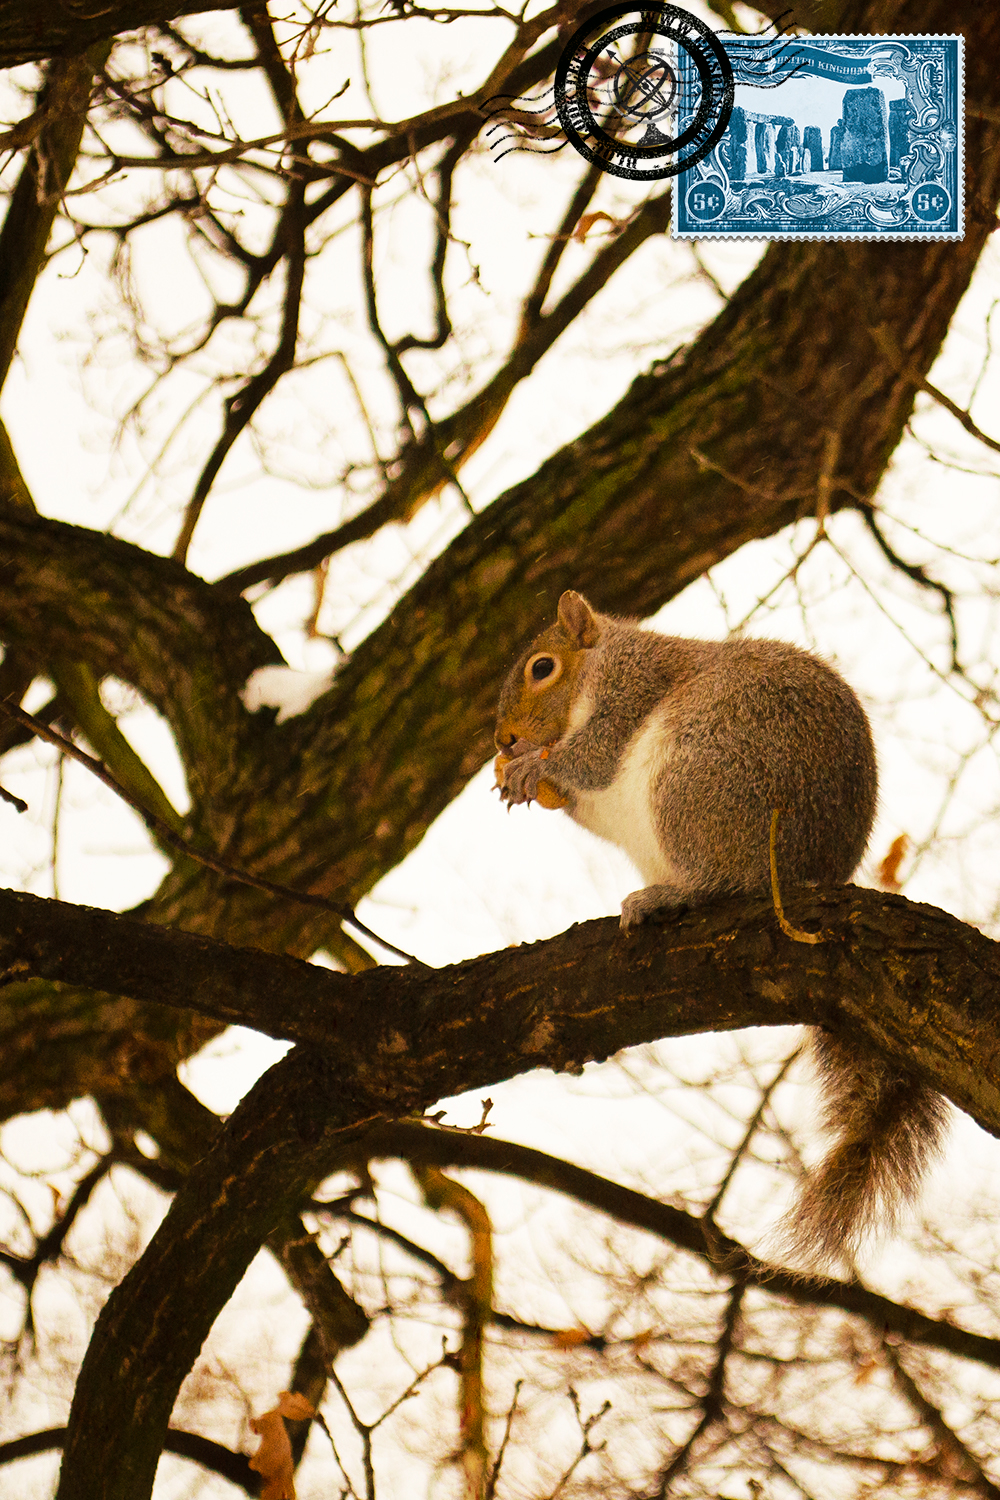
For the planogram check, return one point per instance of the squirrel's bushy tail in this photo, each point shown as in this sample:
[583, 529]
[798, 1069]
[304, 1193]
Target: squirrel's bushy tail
[887, 1126]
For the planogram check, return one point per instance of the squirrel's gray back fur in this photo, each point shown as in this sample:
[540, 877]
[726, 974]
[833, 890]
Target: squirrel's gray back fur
[750, 726]
[744, 727]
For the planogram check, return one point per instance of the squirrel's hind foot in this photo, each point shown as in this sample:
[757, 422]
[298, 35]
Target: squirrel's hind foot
[642, 904]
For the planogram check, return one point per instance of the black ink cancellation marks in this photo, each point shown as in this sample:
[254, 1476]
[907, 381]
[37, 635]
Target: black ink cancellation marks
[626, 77]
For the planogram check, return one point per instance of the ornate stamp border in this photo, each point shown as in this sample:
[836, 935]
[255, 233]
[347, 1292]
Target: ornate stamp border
[891, 167]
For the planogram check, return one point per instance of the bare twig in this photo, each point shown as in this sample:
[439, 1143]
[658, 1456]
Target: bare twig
[708, 1217]
[919, 575]
[162, 831]
[491, 1483]
[713, 1401]
[890, 349]
[17, 802]
[587, 1445]
[946, 1437]
[531, 311]
[424, 471]
[442, 1192]
[241, 406]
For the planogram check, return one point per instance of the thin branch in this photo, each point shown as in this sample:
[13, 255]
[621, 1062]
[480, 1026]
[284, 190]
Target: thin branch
[409, 401]
[531, 311]
[753, 1124]
[63, 100]
[491, 1485]
[888, 347]
[587, 1446]
[423, 471]
[162, 831]
[442, 1192]
[948, 1439]
[713, 1401]
[363, 1431]
[25, 1269]
[919, 575]
[414, 1142]
[211, 1456]
[442, 213]
[241, 407]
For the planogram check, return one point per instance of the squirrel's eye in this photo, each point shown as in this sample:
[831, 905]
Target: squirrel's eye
[542, 667]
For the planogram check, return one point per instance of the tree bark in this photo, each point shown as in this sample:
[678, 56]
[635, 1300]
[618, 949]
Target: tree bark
[921, 986]
[34, 29]
[785, 398]
[275, 1145]
[728, 441]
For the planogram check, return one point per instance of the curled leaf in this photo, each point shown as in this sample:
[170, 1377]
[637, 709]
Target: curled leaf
[295, 1406]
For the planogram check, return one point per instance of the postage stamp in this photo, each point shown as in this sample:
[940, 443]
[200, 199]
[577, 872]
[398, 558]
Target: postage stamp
[856, 138]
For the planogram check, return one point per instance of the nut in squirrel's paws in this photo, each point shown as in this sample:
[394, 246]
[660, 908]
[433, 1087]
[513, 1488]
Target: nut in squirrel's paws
[519, 779]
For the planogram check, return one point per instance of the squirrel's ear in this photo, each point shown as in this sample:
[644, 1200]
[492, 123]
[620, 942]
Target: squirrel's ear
[577, 619]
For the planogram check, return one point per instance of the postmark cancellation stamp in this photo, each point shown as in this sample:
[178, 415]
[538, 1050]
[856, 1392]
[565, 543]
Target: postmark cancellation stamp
[848, 138]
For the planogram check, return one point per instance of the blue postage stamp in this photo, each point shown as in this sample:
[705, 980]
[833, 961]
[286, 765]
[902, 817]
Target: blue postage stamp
[833, 138]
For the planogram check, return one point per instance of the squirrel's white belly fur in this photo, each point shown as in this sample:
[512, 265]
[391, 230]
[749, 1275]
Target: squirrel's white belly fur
[623, 812]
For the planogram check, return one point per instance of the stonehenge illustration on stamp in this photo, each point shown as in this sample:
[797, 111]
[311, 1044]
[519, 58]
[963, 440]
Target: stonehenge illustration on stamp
[861, 138]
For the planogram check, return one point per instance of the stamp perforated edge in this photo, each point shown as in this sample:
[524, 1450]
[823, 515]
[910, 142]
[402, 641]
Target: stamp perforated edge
[853, 236]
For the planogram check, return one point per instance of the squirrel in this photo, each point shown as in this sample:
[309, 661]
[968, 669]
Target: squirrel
[679, 751]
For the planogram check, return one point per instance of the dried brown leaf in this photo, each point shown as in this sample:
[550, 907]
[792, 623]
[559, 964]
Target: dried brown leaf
[273, 1459]
[295, 1406]
[587, 222]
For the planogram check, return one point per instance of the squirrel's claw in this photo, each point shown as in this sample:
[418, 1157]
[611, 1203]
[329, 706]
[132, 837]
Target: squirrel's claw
[521, 777]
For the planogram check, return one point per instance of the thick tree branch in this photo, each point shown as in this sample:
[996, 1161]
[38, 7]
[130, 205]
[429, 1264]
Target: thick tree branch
[52, 28]
[279, 1140]
[887, 965]
[143, 618]
[920, 984]
[923, 987]
[61, 112]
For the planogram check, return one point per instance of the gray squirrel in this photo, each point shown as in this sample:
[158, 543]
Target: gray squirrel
[679, 751]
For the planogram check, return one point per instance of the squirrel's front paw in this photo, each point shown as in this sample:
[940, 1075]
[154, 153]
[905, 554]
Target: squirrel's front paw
[521, 777]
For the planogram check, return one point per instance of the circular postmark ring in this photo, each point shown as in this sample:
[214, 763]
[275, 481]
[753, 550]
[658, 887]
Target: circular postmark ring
[637, 81]
[656, 155]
